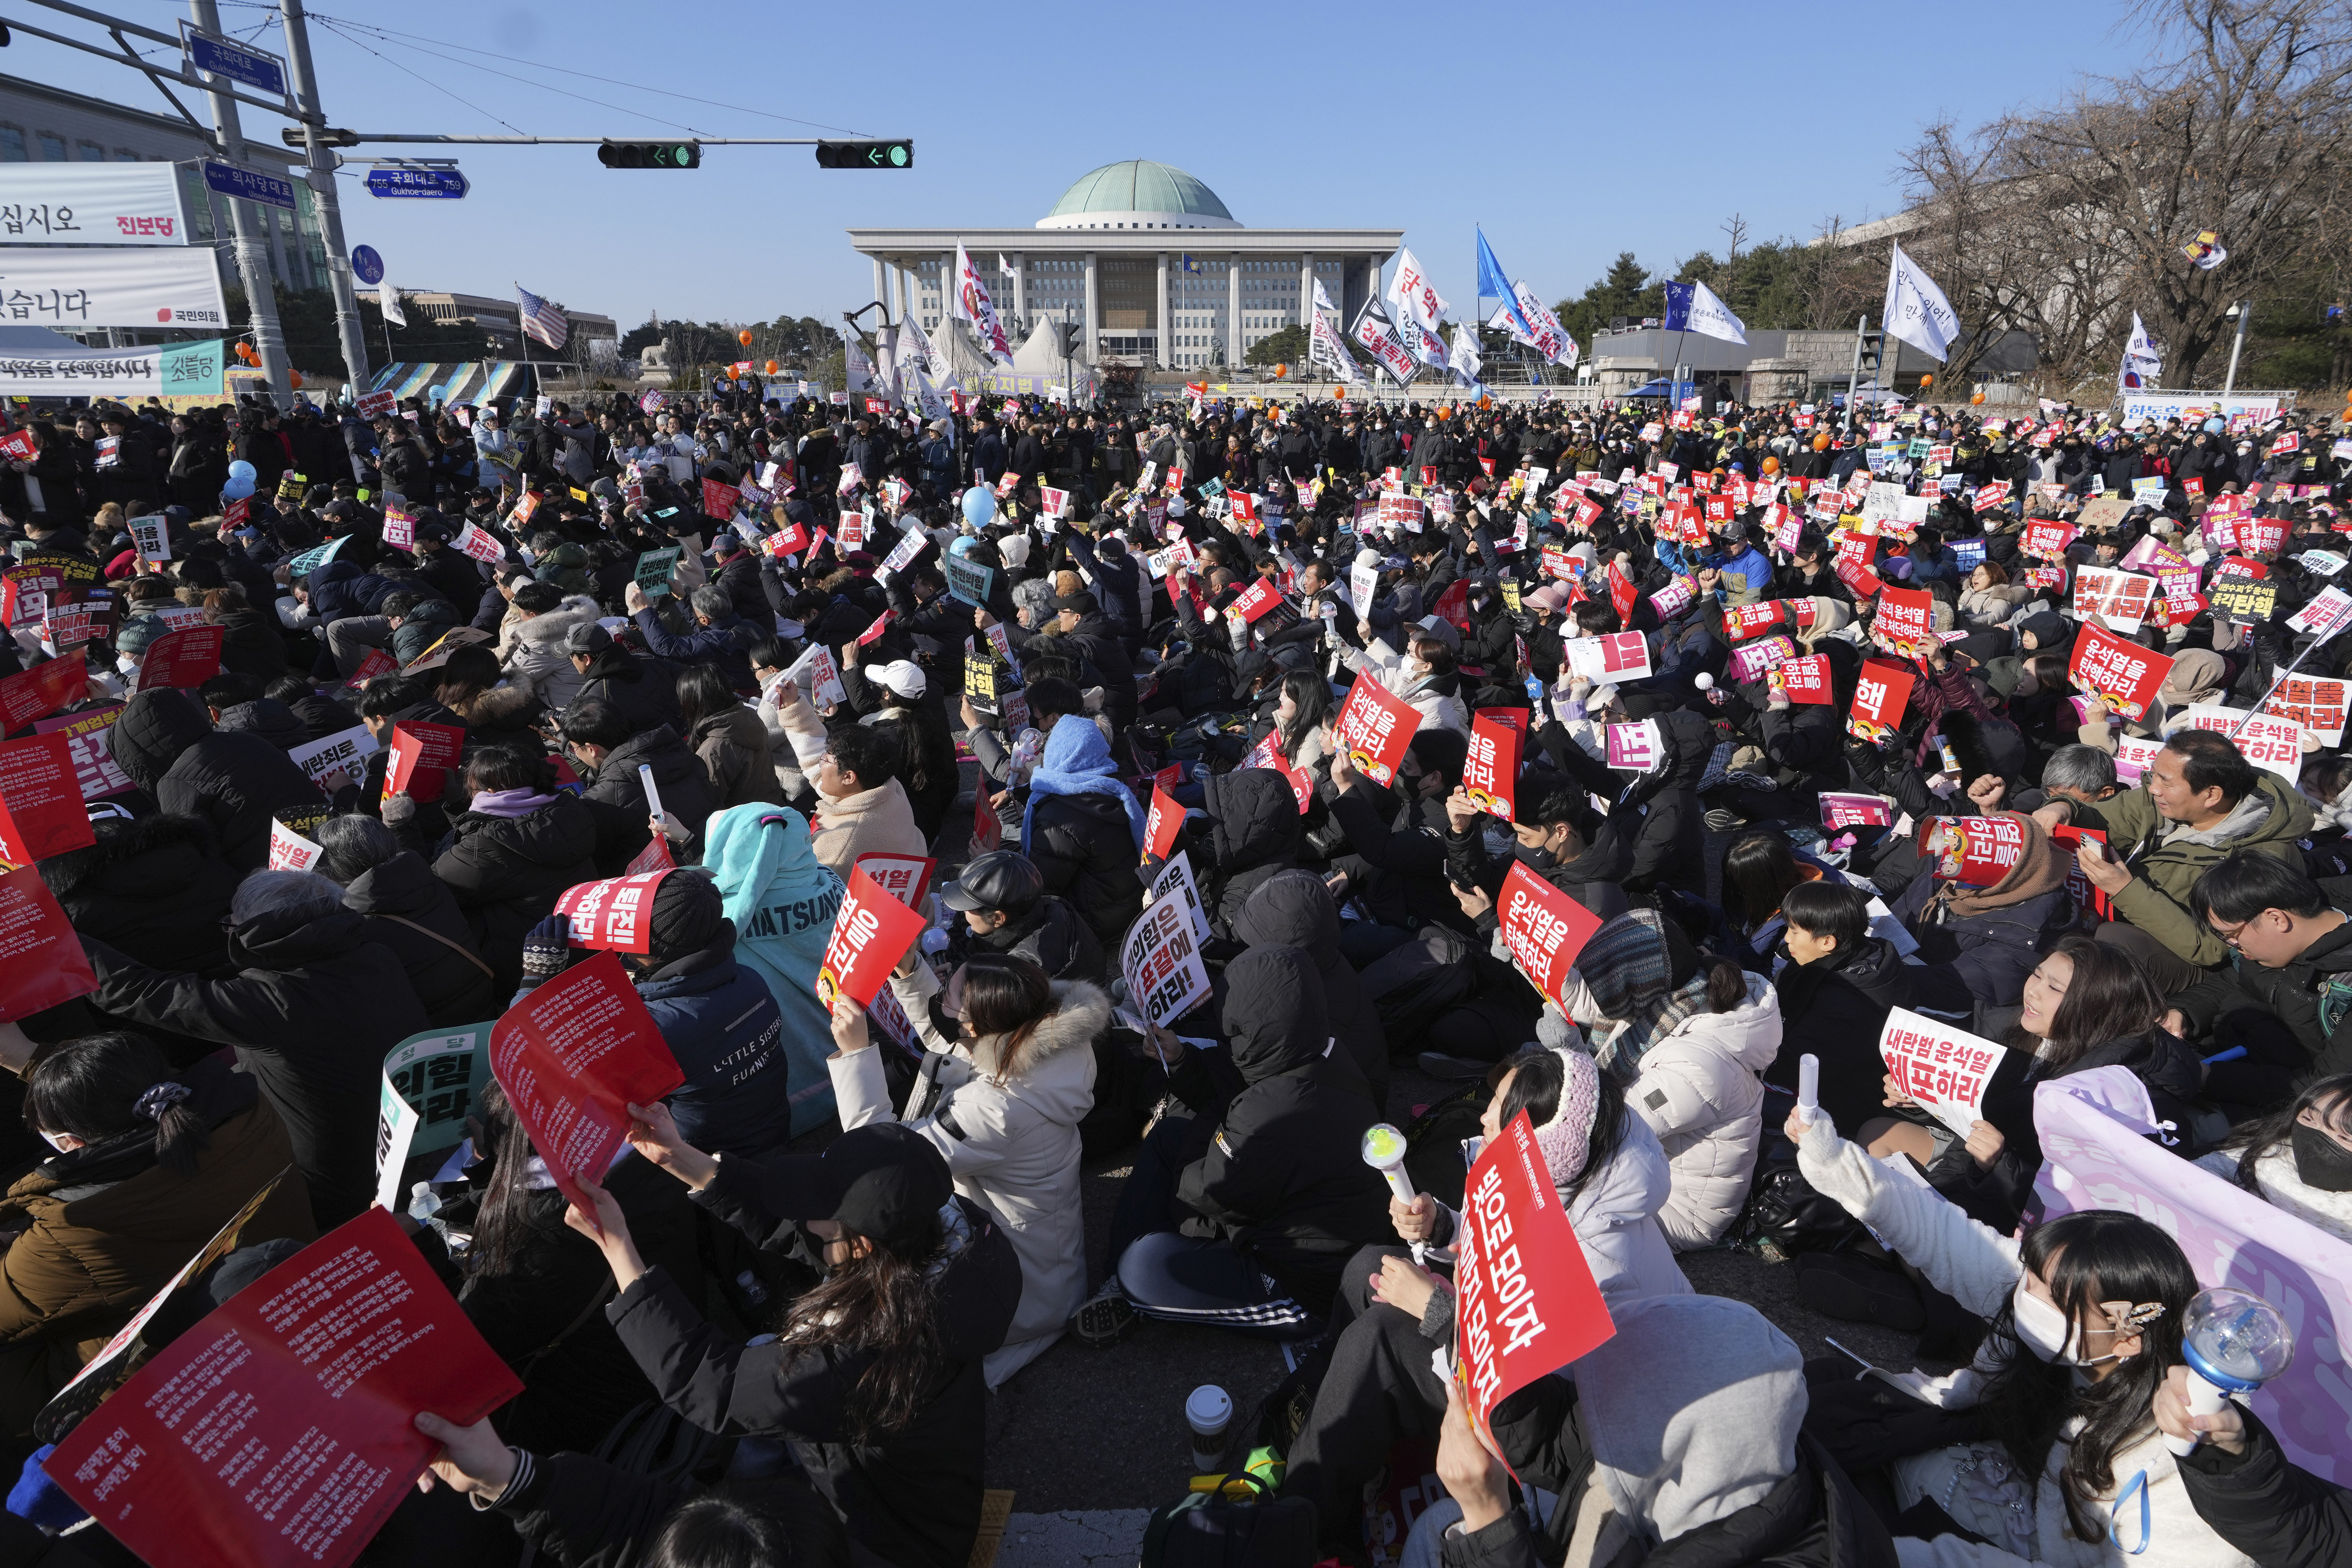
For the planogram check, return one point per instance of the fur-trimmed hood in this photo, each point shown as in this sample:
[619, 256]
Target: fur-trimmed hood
[1081, 1011]
[498, 708]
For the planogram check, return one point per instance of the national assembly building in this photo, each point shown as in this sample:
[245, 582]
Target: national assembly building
[1148, 260]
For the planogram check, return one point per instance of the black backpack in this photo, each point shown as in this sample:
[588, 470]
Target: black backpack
[1206, 1530]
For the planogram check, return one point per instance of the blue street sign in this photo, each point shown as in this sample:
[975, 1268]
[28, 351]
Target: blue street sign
[367, 265]
[246, 185]
[446, 184]
[225, 57]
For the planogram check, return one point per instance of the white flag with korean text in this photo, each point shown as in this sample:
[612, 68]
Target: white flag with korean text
[1915, 310]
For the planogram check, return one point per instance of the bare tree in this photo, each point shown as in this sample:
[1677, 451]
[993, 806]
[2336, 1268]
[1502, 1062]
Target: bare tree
[1737, 231]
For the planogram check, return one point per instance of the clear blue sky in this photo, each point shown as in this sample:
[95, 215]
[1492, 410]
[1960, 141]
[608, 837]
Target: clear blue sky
[1570, 131]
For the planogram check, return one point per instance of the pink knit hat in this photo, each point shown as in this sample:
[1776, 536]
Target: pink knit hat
[1568, 1135]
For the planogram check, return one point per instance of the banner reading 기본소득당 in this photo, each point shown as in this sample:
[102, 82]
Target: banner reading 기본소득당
[192, 370]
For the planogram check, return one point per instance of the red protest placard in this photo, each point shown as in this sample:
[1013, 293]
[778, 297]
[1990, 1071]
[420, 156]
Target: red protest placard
[376, 663]
[1977, 851]
[613, 913]
[41, 961]
[903, 877]
[1805, 679]
[870, 934]
[189, 657]
[1741, 622]
[1525, 1300]
[2120, 670]
[2047, 538]
[17, 446]
[95, 771]
[1543, 928]
[2087, 895]
[1879, 699]
[573, 1056]
[1160, 825]
[987, 827]
[41, 810]
[719, 501]
[788, 541]
[654, 856]
[1491, 771]
[42, 690]
[1261, 597]
[1905, 614]
[1377, 726]
[281, 1431]
[420, 751]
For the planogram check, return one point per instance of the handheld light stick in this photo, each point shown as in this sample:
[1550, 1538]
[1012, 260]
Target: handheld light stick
[653, 794]
[1809, 1088]
[1384, 1149]
[2234, 1341]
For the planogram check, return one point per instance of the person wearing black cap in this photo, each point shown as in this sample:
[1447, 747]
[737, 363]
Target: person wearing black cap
[1005, 908]
[874, 1377]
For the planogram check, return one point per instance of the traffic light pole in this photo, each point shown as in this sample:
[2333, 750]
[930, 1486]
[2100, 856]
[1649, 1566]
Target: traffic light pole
[322, 182]
[246, 219]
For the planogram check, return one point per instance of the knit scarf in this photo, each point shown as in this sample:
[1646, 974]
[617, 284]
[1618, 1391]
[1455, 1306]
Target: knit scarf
[508, 803]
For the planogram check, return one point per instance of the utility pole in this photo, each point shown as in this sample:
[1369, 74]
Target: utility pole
[322, 191]
[1854, 385]
[2243, 310]
[246, 219]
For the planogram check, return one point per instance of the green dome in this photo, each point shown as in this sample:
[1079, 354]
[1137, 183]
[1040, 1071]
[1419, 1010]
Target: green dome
[1137, 185]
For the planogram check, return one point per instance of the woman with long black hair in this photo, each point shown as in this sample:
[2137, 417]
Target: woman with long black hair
[2299, 1159]
[2052, 1456]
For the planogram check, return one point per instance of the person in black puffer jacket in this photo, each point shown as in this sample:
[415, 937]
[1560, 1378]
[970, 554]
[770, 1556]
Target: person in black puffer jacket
[320, 716]
[512, 853]
[1270, 1184]
[413, 912]
[267, 718]
[1294, 908]
[1254, 831]
[312, 1006]
[251, 643]
[637, 688]
[593, 732]
[1083, 829]
[232, 780]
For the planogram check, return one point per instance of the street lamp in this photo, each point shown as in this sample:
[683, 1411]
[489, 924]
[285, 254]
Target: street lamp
[2240, 313]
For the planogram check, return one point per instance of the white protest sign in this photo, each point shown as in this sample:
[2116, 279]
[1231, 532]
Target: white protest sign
[1364, 579]
[342, 752]
[2266, 740]
[396, 1130]
[1944, 1070]
[151, 537]
[1176, 881]
[824, 682]
[288, 851]
[1161, 962]
[1610, 661]
[2325, 615]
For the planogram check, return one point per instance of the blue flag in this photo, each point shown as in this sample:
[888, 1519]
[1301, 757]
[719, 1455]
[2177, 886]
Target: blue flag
[1678, 307]
[1494, 283]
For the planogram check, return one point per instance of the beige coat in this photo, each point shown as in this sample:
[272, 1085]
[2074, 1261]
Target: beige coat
[878, 821]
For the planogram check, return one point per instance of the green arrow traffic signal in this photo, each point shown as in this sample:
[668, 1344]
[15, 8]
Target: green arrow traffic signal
[650, 154]
[899, 154]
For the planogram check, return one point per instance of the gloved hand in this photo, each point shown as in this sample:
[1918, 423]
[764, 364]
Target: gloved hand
[547, 949]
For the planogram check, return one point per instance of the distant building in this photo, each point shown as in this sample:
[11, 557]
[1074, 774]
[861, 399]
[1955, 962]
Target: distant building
[1148, 260]
[1773, 363]
[502, 320]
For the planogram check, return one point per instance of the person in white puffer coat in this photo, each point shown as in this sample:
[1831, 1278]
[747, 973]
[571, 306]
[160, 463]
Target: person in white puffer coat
[1702, 1092]
[2096, 1296]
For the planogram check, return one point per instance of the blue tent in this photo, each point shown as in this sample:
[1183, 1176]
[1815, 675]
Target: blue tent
[1661, 388]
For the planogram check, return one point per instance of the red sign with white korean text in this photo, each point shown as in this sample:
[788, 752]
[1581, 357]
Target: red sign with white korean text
[1622, 595]
[42, 690]
[2118, 669]
[1862, 580]
[1846, 809]
[376, 663]
[654, 856]
[1160, 826]
[1524, 1301]
[1543, 928]
[987, 827]
[1977, 851]
[1879, 699]
[95, 771]
[1259, 598]
[420, 752]
[1377, 726]
[2047, 538]
[615, 913]
[719, 501]
[188, 657]
[870, 934]
[2316, 704]
[41, 810]
[904, 877]
[1805, 679]
[281, 1431]
[1400, 510]
[1490, 772]
[41, 961]
[1905, 614]
[1741, 622]
[574, 1055]
[1943, 1068]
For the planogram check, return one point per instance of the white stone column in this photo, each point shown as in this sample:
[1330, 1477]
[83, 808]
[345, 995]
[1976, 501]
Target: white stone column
[1021, 289]
[1093, 315]
[1233, 311]
[1306, 287]
[881, 281]
[1159, 327]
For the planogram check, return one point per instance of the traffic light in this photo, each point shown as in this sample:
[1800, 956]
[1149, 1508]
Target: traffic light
[650, 154]
[865, 154]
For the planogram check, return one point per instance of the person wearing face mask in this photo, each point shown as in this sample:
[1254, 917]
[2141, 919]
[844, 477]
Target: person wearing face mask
[1423, 675]
[2298, 1159]
[2050, 1454]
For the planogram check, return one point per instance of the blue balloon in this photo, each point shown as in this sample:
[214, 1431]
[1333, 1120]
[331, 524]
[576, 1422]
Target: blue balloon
[241, 469]
[978, 506]
[239, 485]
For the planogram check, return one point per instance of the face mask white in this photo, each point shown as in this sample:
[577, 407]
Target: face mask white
[2043, 1329]
[56, 1141]
[126, 664]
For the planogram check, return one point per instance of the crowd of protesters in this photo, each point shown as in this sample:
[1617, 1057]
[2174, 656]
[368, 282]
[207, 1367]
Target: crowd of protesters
[834, 1240]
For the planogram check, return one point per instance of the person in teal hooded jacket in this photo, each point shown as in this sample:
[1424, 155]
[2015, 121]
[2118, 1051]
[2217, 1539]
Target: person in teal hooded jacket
[782, 899]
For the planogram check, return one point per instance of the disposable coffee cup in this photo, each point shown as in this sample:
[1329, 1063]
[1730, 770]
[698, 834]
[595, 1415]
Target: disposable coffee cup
[1209, 1410]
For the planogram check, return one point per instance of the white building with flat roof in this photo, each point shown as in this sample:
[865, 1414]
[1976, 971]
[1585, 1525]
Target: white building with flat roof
[1148, 260]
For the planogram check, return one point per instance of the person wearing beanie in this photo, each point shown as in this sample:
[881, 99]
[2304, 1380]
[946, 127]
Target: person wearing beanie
[716, 1014]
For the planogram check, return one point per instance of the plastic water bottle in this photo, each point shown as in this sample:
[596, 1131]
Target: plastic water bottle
[753, 1292]
[423, 1203]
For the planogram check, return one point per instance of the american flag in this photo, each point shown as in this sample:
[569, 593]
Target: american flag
[541, 319]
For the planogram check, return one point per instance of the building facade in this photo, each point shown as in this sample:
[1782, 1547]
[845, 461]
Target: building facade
[43, 125]
[1147, 260]
[501, 320]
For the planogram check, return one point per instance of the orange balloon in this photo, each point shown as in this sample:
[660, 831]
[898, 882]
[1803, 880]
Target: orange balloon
[1280, 370]
[295, 376]
[1822, 442]
[1445, 413]
[744, 337]
[1771, 465]
[772, 367]
[1978, 397]
[1926, 382]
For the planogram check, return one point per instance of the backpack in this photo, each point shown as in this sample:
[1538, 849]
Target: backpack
[1207, 1530]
